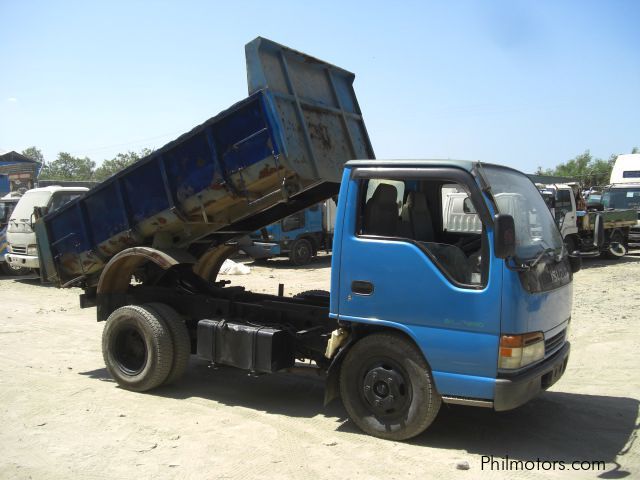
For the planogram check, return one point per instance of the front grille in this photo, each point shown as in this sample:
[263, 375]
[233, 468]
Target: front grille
[19, 249]
[554, 343]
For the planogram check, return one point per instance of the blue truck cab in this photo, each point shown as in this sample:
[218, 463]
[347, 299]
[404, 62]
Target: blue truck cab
[490, 327]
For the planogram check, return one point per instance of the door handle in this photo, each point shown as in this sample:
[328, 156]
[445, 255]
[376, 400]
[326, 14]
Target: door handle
[362, 287]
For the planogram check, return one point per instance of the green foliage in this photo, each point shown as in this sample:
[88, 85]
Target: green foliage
[68, 167]
[120, 161]
[585, 168]
[34, 154]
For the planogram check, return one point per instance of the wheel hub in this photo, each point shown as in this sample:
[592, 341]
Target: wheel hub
[130, 351]
[384, 389]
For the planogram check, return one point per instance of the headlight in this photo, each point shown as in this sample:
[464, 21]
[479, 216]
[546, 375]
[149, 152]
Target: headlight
[517, 351]
[32, 250]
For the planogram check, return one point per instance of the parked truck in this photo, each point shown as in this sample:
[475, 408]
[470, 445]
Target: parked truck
[21, 239]
[576, 219]
[624, 191]
[299, 236]
[417, 315]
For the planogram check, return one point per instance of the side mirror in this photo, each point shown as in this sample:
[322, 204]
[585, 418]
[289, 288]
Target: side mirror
[504, 241]
[598, 232]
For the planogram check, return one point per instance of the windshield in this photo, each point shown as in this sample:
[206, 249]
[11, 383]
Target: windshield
[622, 198]
[5, 212]
[517, 196]
[31, 199]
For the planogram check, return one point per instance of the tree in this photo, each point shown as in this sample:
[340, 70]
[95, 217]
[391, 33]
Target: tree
[68, 167]
[117, 163]
[635, 150]
[34, 153]
[589, 171]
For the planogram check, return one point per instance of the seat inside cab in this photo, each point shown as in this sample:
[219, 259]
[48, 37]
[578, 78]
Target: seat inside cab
[438, 217]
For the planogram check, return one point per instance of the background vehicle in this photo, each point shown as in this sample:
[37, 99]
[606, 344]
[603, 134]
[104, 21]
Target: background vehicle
[417, 315]
[5, 186]
[624, 191]
[577, 225]
[300, 236]
[7, 204]
[23, 250]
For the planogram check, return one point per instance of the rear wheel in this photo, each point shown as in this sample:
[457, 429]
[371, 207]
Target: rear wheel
[386, 387]
[179, 337]
[137, 348]
[301, 252]
[616, 248]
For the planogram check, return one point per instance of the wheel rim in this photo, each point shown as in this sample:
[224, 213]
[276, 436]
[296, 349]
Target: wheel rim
[386, 389]
[619, 250]
[302, 251]
[130, 350]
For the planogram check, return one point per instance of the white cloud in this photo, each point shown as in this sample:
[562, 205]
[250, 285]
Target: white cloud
[12, 100]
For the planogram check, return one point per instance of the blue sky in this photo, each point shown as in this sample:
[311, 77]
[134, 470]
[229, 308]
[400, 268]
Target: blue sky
[518, 83]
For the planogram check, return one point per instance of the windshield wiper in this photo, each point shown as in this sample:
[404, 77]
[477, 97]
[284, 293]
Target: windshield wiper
[542, 254]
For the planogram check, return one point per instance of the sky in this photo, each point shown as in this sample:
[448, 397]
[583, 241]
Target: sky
[520, 83]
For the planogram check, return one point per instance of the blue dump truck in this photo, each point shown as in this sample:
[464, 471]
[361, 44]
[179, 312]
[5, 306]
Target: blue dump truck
[299, 236]
[417, 314]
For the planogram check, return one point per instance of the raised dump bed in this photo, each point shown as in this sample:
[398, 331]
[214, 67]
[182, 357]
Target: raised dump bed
[278, 151]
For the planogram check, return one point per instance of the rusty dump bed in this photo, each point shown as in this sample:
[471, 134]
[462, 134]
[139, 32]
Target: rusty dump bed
[278, 151]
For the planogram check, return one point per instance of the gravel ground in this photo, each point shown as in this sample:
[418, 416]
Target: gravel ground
[63, 417]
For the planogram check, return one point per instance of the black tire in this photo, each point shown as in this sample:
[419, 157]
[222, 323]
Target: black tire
[386, 387]
[7, 269]
[609, 253]
[179, 336]
[137, 348]
[301, 252]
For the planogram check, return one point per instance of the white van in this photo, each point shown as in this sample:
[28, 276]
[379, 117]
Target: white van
[23, 251]
[624, 191]
[626, 169]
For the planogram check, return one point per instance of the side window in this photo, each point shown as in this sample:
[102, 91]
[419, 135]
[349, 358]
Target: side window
[563, 203]
[293, 222]
[438, 217]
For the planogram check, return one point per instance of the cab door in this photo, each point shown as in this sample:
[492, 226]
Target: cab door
[410, 275]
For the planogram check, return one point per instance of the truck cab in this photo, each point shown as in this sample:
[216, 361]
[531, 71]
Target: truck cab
[624, 190]
[21, 239]
[492, 327]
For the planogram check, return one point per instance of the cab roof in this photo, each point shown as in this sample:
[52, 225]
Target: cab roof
[462, 164]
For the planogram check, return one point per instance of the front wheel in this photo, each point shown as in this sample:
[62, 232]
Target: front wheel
[301, 252]
[387, 388]
[616, 248]
[10, 270]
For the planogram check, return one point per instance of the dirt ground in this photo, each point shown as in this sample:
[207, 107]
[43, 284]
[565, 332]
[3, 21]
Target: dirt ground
[61, 416]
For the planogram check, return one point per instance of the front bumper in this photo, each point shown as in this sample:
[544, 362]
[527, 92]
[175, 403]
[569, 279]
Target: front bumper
[22, 261]
[260, 250]
[516, 390]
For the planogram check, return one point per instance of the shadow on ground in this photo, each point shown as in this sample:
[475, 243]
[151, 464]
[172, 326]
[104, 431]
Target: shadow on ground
[598, 262]
[320, 261]
[555, 426]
